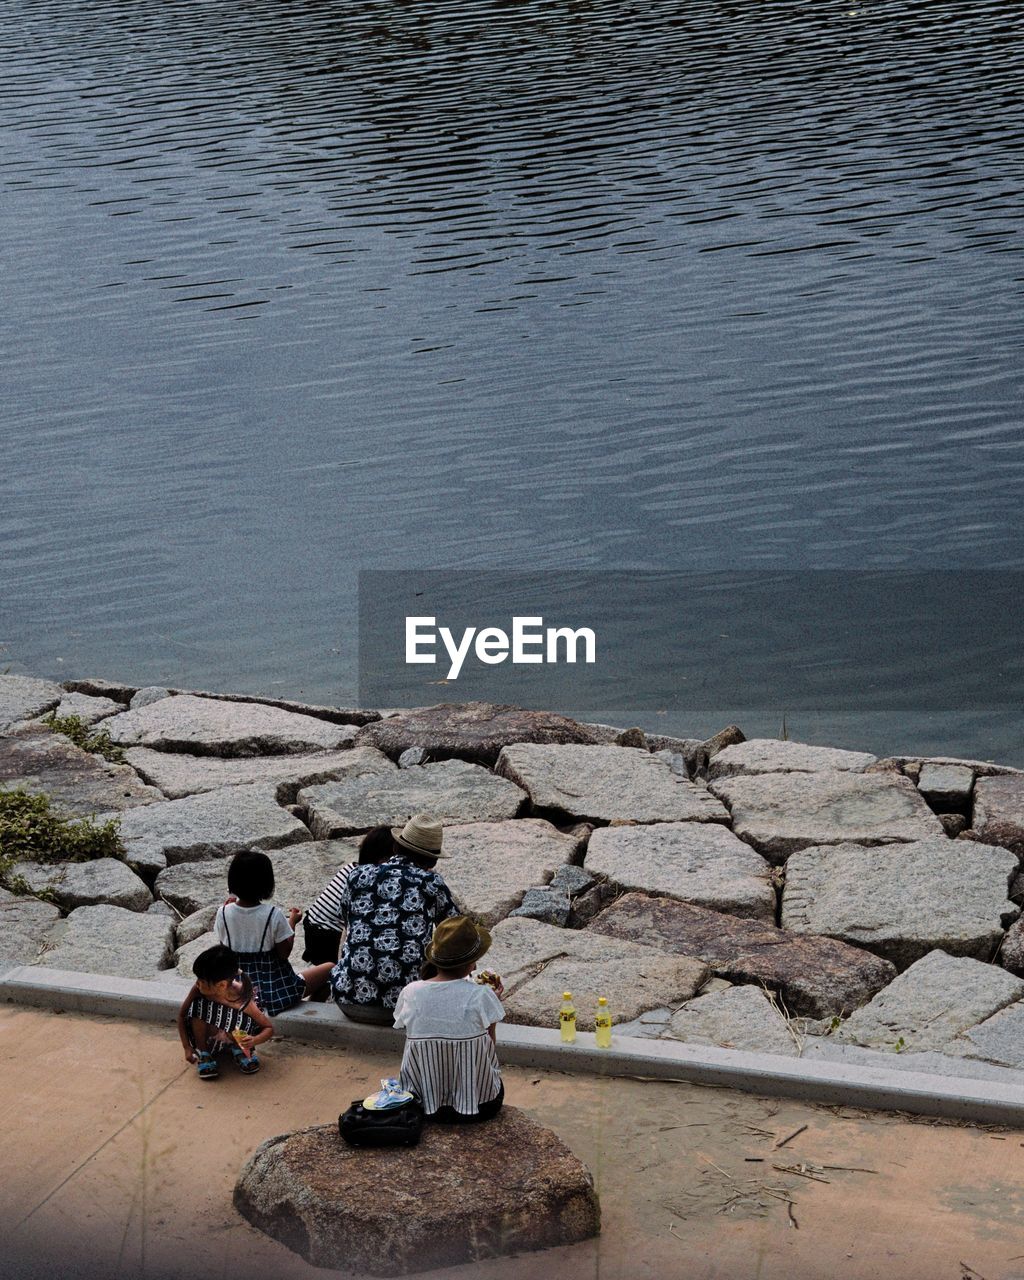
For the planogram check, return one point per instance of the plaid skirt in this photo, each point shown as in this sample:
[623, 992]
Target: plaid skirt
[276, 985]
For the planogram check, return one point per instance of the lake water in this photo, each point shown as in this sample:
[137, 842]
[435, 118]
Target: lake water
[293, 290]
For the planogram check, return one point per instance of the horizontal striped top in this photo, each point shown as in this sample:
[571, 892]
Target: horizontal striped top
[449, 1058]
[325, 909]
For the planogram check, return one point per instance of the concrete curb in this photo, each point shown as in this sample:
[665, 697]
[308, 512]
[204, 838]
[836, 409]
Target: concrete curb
[876, 1088]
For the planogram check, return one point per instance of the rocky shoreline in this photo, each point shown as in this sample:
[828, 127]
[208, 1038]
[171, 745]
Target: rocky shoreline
[762, 894]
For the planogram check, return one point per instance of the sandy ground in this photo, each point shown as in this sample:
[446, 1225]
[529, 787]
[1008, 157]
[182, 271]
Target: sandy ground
[118, 1162]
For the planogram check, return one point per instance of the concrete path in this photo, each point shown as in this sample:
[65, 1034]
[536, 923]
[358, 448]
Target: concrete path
[118, 1162]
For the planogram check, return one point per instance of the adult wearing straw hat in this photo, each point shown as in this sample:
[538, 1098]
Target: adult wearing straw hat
[390, 911]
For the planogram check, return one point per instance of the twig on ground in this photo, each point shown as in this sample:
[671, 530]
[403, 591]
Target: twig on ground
[800, 1171]
[792, 1216]
[848, 1168]
[789, 1137]
[970, 1271]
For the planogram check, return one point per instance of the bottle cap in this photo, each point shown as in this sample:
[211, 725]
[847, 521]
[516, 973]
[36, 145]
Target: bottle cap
[601, 1000]
[566, 995]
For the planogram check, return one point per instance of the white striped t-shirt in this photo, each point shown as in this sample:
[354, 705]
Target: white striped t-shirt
[325, 909]
[449, 1058]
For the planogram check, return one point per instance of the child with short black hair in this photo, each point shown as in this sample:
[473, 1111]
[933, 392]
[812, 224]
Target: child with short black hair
[262, 936]
[220, 1013]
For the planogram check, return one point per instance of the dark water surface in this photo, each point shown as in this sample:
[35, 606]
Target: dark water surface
[296, 289]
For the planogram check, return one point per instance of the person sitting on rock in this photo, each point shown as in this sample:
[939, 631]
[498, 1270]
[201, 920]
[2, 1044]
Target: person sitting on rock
[262, 937]
[219, 1013]
[390, 912]
[323, 925]
[450, 1060]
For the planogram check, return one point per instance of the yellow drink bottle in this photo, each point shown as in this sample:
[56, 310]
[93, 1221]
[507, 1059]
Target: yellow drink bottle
[603, 1025]
[567, 1019]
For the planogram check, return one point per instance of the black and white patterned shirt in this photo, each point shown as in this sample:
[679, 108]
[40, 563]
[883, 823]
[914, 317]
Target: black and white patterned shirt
[391, 911]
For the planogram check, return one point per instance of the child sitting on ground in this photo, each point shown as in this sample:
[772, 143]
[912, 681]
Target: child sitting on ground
[450, 1060]
[261, 937]
[220, 1013]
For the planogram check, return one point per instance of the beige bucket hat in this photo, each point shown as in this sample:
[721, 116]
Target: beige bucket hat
[421, 834]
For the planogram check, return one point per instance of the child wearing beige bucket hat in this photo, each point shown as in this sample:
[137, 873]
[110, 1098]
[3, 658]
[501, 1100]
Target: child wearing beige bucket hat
[450, 1060]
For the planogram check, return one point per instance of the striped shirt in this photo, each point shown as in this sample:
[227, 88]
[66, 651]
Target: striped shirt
[449, 1058]
[325, 909]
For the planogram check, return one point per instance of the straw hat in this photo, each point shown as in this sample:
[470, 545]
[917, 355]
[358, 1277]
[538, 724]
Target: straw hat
[456, 942]
[421, 834]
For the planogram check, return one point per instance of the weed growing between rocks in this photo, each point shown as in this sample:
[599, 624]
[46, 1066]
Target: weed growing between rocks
[74, 727]
[30, 831]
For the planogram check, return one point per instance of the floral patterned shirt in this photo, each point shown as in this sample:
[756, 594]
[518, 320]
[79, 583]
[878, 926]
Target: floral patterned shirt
[390, 911]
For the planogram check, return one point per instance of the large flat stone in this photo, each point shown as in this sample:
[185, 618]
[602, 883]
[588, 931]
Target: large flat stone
[607, 784]
[24, 925]
[318, 710]
[780, 812]
[464, 1194]
[699, 862]
[539, 961]
[86, 884]
[300, 872]
[902, 901]
[22, 697]
[104, 939]
[937, 999]
[814, 977]
[739, 1018]
[183, 775]
[211, 825]
[475, 731]
[493, 864]
[452, 790]
[999, 812]
[77, 782]
[999, 1039]
[214, 727]
[87, 709]
[772, 755]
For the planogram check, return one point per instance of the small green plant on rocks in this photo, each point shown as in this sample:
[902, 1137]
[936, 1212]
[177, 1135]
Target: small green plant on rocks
[31, 832]
[75, 728]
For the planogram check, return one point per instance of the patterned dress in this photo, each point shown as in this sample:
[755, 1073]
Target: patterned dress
[390, 911]
[222, 1017]
[276, 984]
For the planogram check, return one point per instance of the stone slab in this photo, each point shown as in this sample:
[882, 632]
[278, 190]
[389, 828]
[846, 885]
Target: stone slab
[213, 727]
[22, 697]
[780, 812]
[89, 710]
[466, 1193]
[475, 731]
[607, 784]
[999, 812]
[772, 755]
[999, 1039]
[318, 710]
[24, 923]
[539, 961]
[97, 687]
[86, 884]
[814, 977]
[739, 1018]
[946, 787]
[936, 1000]
[211, 825]
[452, 790]
[903, 900]
[77, 782]
[178, 775]
[699, 862]
[492, 864]
[111, 940]
[195, 923]
[300, 872]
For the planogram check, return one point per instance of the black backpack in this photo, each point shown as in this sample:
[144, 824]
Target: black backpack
[396, 1127]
